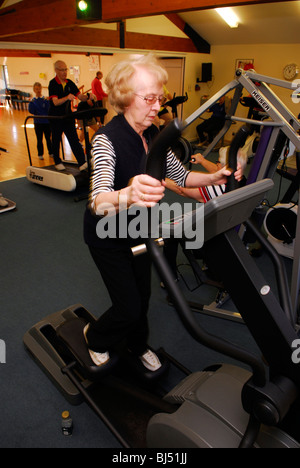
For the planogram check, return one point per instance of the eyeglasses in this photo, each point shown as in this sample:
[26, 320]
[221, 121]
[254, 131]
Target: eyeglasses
[150, 100]
[62, 69]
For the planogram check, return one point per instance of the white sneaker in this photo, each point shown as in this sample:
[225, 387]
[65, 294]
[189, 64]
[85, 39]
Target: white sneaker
[3, 201]
[150, 360]
[84, 167]
[98, 358]
[60, 167]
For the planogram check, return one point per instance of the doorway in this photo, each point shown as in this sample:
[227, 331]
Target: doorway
[175, 69]
[4, 81]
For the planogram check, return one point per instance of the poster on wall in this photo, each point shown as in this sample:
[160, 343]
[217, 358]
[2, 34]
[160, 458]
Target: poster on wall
[76, 72]
[244, 64]
[94, 63]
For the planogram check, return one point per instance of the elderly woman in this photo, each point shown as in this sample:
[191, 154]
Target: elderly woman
[135, 90]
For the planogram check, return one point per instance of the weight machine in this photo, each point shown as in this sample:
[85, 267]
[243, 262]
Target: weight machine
[281, 127]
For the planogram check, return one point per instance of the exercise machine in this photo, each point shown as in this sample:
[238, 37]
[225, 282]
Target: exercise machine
[72, 177]
[280, 117]
[181, 147]
[202, 397]
[5, 203]
[175, 102]
[223, 406]
[280, 222]
[280, 225]
[278, 130]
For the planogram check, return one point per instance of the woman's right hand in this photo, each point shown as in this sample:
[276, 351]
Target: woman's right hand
[144, 190]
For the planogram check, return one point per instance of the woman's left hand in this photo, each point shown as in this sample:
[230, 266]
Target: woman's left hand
[220, 177]
[238, 175]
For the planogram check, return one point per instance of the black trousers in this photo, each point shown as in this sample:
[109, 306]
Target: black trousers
[210, 126]
[42, 129]
[68, 128]
[128, 281]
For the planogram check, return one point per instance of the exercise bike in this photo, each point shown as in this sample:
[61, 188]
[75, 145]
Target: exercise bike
[71, 178]
[223, 406]
[5, 203]
[174, 102]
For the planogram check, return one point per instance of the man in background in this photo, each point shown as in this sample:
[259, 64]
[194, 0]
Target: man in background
[210, 127]
[62, 92]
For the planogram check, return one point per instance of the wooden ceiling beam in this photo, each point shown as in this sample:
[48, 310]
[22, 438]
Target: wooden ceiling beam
[102, 38]
[201, 44]
[39, 53]
[156, 42]
[38, 16]
[71, 36]
[22, 53]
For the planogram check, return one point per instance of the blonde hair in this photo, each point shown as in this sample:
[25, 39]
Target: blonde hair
[119, 80]
[36, 84]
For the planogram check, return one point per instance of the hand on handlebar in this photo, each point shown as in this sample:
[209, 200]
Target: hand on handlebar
[220, 177]
[145, 190]
[71, 97]
[197, 158]
[238, 175]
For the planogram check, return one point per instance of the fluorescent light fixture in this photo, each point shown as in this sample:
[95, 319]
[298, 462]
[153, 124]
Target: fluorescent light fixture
[228, 15]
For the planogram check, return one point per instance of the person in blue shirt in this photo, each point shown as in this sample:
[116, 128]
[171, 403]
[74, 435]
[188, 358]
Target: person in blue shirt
[39, 105]
[210, 127]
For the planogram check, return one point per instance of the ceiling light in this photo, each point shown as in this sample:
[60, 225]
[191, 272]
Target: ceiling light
[229, 16]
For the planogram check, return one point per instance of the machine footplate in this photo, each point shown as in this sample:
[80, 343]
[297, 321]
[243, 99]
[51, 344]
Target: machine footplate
[71, 333]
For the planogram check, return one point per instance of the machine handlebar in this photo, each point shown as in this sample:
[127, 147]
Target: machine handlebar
[237, 143]
[156, 161]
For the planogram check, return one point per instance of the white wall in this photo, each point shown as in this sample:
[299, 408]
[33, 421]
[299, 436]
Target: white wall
[269, 59]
